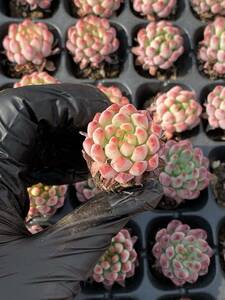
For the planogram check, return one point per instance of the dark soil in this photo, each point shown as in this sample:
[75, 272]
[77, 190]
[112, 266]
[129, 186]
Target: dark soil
[23, 11]
[219, 184]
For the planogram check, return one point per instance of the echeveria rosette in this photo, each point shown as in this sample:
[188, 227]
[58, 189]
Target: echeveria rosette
[36, 78]
[114, 94]
[118, 262]
[45, 200]
[101, 8]
[185, 172]
[211, 52]
[160, 44]
[176, 111]
[159, 9]
[208, 8]
[85, 190]
[91, 41]
[122, 146]
[28, 43]
[182, 253]
[34, 4]
[215, 107]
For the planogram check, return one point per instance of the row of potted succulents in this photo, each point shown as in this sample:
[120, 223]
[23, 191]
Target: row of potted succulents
[95, 48]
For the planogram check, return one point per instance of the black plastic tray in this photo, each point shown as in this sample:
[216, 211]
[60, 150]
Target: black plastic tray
[203, 212]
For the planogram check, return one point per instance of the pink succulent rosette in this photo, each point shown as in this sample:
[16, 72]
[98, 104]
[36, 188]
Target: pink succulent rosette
[215, 107]
[36, 78]
[185, 173]
[85, 190]
[91, 41]
[154, 8]
[122, 146]
[114, 94]
[101, 8]
[211, 51]
[182, 254]
[34, 4]
[118, 262]
[45, 200]
[160, 44]
[208, 8]
[176, 111]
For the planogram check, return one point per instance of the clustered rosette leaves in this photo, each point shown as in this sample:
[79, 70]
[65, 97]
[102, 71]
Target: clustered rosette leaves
[176, 110]
[29, 44]
[45, 200]
[185, 173]
[36, 78]
[121, 146]
[91, 41]
[118, 262]
[208, 8]
[34, 4]
[215, 107]
[101, 8]
[114, 94]
[182, 253]
[85, 190]
[211, 51]
[155, 8]
[160, 44]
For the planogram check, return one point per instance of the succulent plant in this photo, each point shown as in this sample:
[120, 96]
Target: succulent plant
[34, 4]
[155, 8]
[185, 173]
[36, 78]
[34, 228]
[118, 262]
[86, 189]
[91, 41]
[28, 45]
[160, 44]
[45, 200]
[208, 8]
[182, 253]
[114, 94]
[215, 107]
[211, 51]
[101, 8]
[121, 146]
[176, 110]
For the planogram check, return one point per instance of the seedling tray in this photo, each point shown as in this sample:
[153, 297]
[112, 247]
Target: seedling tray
[139, 87]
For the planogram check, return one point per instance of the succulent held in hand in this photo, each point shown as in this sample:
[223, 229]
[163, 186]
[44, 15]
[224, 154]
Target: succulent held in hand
[101, 8]
[91, 41]
[34, 4]
[185, 172]
[118, 262]
[45, 200]
[114, 94]
[36, 78]
[208, 8]
[155, 8]
[176, 110]
[182, 253]
[85, 190]
[215, 107]
[160, 44]
[122, 145]
[28, 45]
[211, 51]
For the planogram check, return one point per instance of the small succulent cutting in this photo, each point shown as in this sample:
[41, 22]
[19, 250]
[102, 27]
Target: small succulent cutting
[206, 9]
[36, 78]
[28, 46]
[121, 146]
[211, 52]
[114, 94]
[215, 108]
[101, 8]
[176, 111]
[185, 173]
[30, 8]
[92, 42]
[160, 44]
[155, 9]
[45, 200]
[118, 262]
[85, 190]
[182, 254]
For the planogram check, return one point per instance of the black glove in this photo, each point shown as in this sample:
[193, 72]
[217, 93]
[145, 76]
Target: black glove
[40, 141]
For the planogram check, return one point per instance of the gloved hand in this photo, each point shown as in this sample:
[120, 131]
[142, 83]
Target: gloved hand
[40, 141]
